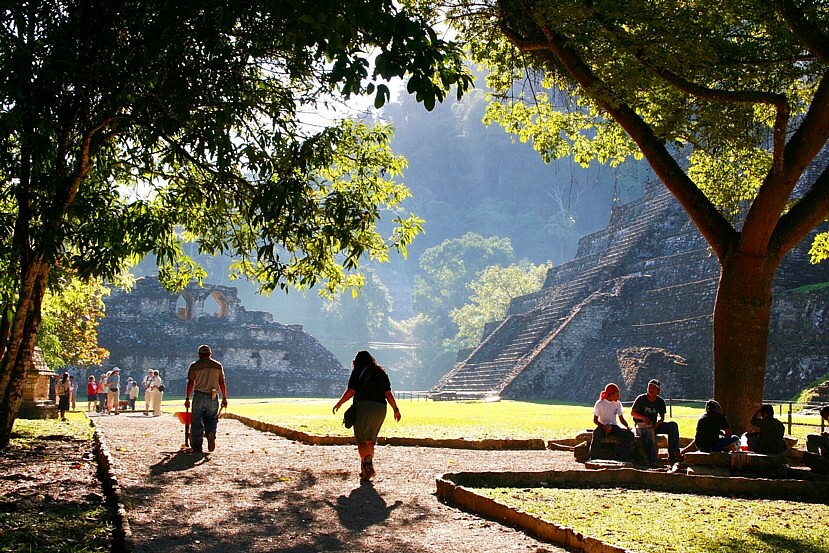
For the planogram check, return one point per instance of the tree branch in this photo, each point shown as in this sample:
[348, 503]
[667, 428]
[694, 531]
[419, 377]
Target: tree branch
[805, 215]
[775, 192]
[812, 36]
[717, 231]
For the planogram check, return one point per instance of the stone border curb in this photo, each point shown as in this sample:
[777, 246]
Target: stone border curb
[460, 443]
[122, 541]
[459, 496]
[452, 489]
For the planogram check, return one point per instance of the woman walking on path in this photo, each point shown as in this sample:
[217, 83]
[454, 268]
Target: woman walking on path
[370, 387]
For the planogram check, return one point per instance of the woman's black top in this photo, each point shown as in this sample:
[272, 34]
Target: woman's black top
[370, 385]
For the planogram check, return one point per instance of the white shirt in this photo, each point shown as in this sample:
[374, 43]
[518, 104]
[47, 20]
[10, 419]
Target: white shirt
[607, 411]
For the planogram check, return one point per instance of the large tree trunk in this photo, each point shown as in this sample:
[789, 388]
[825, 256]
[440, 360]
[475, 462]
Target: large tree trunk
[23, 338]
[741, 329]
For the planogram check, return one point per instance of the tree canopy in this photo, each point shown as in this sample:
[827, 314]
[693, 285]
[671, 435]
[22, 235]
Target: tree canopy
[128, 127]
[491, 293]
[727, 101]
[447, 269]
[69, 330]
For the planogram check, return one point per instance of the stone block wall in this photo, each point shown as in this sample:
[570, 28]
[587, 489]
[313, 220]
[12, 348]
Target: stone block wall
[149, 328]
[657, 324]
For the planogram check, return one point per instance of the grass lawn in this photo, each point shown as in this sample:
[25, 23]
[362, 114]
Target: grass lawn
[456, 419]
[647, 521]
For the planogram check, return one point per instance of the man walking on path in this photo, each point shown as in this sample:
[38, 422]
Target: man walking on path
[205, 378]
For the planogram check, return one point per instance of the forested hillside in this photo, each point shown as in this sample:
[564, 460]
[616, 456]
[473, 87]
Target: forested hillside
[465, 178]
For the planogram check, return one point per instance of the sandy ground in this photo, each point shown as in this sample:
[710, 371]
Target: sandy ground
[260, 492]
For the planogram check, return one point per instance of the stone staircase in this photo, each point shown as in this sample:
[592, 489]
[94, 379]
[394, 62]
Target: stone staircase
[534, 321]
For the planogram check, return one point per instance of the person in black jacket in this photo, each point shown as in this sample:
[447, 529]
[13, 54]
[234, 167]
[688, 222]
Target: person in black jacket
[370, 387]
[769, 437]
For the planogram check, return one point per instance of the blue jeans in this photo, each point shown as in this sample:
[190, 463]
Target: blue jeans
[649, 440]
[205, 418]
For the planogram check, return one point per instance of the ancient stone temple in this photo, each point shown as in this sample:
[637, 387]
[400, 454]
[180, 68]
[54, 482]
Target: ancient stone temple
[35, 402]
[150, 328]
[637, 303]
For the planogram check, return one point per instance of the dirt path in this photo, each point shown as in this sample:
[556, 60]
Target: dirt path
[259, 492]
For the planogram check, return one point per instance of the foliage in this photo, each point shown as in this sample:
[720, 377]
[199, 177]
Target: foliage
[820, 248]
[68, 334]
[813, 390]
[426, 361]
[491, 295]
[447, 269]
[466, 177]
[364, 314]
[726, 101]
[128, 128]
[626, 518]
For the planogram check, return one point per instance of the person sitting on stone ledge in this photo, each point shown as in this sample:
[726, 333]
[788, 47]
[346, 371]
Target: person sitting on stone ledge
[819, 443]
[769, 438]
[713, 431]
[605, 411]
[649, 411]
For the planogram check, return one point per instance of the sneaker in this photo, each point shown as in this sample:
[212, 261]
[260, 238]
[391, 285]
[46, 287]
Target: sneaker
[211, 441]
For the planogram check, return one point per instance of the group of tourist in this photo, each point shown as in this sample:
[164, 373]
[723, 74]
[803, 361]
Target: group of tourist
[104, 395]
[713, 431]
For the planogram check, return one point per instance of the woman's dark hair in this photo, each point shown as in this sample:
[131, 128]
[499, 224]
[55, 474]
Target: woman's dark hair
[767, 409]
[364, 359]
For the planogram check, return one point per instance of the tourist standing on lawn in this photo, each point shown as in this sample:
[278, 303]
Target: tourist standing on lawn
[370, 387]
[102, 393]
[605, 412]
[648, 412]
[62, 392]
[769, 438]
[91, 393]
[819, 443]
[132, 393]
[205, 379]
[73, 392]
[148, 391]
[113, 391]
[157, 387]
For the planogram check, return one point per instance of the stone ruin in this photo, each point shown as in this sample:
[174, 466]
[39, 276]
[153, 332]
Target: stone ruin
[637, 303]
[36, 402]
[148, 327]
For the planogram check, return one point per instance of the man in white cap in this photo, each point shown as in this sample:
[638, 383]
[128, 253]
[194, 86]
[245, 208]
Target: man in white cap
[205, 378]
[649, 411]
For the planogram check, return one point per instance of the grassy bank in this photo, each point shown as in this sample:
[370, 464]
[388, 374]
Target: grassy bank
[459, 419]
[657, 522]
